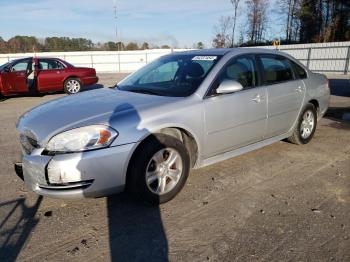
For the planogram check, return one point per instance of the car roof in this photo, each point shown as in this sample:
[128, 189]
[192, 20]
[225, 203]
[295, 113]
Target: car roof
[37, 57]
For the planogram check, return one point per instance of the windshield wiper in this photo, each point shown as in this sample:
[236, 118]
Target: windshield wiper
[143, 91]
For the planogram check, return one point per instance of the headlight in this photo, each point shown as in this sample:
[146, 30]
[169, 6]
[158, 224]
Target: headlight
[82, 139]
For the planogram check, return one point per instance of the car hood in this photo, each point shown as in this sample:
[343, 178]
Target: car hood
[102, 106]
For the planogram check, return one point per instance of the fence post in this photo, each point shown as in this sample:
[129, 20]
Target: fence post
[119, 61]
[8, 59]
[308, 58]
[346, 69]
[92, 61]
[146, 58]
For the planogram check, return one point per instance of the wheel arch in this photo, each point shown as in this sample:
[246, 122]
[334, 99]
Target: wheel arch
[71, 76]
[185, 136]
[180, 133]
[316, 104]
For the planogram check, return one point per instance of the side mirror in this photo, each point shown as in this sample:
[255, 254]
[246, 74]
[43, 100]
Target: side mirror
[229, 86]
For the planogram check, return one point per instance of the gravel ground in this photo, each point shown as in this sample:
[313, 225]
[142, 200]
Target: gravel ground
[280, 203]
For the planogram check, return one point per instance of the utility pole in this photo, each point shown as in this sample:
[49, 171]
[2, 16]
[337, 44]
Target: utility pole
[235, 4]
[116, 24]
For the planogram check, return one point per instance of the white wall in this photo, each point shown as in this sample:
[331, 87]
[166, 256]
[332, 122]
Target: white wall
[102, 61]
[322, 57]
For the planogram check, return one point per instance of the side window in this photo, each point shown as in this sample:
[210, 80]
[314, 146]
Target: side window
[59, 65]
[300, 72]
[277, 69]
[242, 69]
[20, 66]
[48, 64]
[163, 73]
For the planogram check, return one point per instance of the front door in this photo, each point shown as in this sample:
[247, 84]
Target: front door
[16, 80]
[285, 94]
[237, 119]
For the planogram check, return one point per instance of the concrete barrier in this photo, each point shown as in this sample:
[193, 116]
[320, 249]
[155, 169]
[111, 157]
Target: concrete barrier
[102, 61]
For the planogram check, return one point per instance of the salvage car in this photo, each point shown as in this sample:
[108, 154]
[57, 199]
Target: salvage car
[182, 111]
[43, 75]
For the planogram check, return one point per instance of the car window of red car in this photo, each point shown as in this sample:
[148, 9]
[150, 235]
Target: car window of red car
[50, 64]
[20, 66]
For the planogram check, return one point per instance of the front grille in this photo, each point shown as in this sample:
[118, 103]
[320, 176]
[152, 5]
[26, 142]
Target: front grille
[29, 143]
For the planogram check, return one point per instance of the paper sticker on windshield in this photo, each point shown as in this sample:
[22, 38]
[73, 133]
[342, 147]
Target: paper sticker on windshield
[204, 58]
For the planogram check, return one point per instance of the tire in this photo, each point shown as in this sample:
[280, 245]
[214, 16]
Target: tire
[306, 126]
[155, 174]
[72, 86]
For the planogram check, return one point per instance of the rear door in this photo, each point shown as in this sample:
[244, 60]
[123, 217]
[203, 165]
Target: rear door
[285, 93]
[237, 119]
[51, 74]
[16, 79]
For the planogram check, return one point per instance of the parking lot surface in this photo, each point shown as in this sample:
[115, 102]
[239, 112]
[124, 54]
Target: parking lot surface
[279, 203]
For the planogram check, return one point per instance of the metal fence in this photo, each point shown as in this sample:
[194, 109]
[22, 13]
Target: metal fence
[324, 59]
[333, 58]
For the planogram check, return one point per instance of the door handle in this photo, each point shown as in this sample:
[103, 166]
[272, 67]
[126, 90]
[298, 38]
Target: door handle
[257, 99]
[299, 89]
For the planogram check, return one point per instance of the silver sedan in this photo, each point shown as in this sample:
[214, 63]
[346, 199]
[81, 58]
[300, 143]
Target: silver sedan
[182, 111]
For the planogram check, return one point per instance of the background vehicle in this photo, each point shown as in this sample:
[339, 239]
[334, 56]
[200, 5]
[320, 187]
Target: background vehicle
[182, 111]
[43, 75]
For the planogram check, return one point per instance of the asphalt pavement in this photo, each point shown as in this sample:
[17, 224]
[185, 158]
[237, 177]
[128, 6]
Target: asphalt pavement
[279, 203]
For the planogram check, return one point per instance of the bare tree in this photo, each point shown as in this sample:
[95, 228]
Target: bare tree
[221, 30]
[257, 19]
[235, 4]
[291, 10]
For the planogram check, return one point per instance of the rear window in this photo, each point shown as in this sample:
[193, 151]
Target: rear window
[277, 69]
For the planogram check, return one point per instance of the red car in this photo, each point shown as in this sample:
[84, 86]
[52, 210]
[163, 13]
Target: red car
[43, 75]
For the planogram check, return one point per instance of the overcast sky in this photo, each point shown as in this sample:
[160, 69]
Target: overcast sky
[178, 22]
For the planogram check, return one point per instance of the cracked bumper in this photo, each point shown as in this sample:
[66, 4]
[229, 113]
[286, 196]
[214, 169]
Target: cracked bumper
[76, 175]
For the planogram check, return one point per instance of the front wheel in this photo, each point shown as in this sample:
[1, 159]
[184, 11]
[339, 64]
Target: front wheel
[72, 86]
[306, 126]
[159, 169]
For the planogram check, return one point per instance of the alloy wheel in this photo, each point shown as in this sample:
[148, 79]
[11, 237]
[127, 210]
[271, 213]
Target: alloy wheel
[164, 171]
[73, 86]
[307, 124]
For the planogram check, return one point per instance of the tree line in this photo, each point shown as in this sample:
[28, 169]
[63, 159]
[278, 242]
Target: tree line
[24, 44]
[303, 21]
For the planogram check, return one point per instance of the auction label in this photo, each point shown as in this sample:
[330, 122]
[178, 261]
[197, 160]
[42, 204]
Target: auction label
[204, 58]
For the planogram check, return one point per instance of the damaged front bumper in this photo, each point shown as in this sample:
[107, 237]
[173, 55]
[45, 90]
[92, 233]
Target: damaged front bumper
[76, 175]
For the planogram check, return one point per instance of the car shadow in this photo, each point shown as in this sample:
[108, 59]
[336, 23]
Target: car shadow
[17, 222]
[341, 116]
[92, 87]
[4, 98]
[35, 94]
[136, 231]
[135, 228]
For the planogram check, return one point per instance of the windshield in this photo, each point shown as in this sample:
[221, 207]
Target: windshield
[175, 75]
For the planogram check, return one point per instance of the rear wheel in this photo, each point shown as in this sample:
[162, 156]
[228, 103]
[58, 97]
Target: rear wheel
[306, 126]
[159, 169]
[72, 86]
